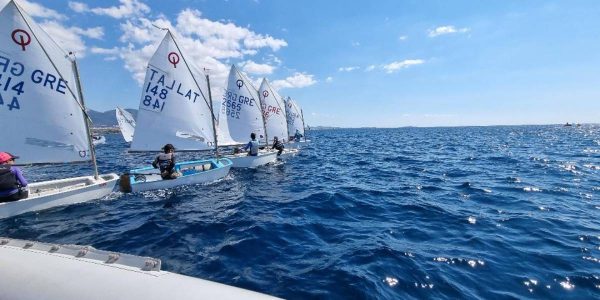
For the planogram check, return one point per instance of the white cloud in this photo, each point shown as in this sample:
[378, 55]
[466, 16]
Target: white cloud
[93, 33]
[298, 80]
[205, 44]
[110, 51]
[397, 65]
[67, 38]
[403, 38]
[370, 68]
[254, 68]
[37, 10]
[329, 79]
[355, 44]
[126, 9]
[446, 30]
[348, 69]
[78, 7]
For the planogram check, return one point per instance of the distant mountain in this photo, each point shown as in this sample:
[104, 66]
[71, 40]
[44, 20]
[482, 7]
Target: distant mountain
[107, 118]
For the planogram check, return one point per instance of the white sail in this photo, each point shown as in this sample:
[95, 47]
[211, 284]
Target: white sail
[294, 118]
[172, 108]
[126, 124]
[41, 115]
[222, 129]
[273, 108]
[241, 107]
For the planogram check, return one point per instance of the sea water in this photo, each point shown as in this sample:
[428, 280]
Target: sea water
[471, 212]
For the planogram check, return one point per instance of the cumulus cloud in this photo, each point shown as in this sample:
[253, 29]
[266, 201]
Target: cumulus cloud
[93, 33]
[205, 44]
[36, 10]
[397, 65]
[329, 79]
[403, 38]
[298, 80]
[348, 69]
[370, 68]
[126, 9]
[255, 68]
[449, 29]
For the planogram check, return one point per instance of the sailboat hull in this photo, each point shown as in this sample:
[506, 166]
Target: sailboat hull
[243, 160]
[287, 154]
[296, 145]
[47, 194]
[193, 172]
[32, 270]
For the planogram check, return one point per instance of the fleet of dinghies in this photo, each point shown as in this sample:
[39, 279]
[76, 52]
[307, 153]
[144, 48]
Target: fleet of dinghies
[174, 108]
[41, 88]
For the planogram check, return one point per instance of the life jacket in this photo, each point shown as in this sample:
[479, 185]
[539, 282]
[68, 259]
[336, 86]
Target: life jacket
[253, 148]
[165, 161]
[8, 180]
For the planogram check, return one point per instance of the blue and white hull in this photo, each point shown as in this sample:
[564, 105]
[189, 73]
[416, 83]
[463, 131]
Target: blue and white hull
[192, 172]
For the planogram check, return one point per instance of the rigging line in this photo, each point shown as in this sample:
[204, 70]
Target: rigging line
[81, 106]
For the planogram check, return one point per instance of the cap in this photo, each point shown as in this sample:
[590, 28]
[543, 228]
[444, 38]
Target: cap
[5, 156]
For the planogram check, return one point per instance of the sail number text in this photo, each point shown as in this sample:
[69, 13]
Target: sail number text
[14, 80]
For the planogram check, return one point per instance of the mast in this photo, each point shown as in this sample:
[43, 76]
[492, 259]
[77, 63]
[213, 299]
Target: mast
[303, 125]
[213, 116]
[86, 119]
[262, 114]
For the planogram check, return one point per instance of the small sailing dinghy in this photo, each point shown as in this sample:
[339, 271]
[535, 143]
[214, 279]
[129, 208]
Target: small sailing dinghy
[244, 116]
[274, 113]
[173, 109]
[295, 121]
[126, 124]
[33, 270]
[42, 114]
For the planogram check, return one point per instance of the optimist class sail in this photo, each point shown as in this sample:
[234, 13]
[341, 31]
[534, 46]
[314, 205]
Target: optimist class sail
[242, 108]
[126, 124]
[172, 108]
[294, 118]
[273, 108]
[41, 112]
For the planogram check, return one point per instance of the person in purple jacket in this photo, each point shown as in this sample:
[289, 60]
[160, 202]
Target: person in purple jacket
[13, 186]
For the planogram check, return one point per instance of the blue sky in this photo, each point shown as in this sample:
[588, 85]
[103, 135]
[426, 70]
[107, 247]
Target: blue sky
[356, 63]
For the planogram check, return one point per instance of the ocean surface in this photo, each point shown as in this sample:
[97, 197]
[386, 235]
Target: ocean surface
[469, 212]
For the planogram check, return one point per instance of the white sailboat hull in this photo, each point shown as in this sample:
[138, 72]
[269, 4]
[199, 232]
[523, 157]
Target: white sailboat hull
[151, 179]
[47, 194]
[32, 270]
[243, 160]
[287, 154]
[296, 145]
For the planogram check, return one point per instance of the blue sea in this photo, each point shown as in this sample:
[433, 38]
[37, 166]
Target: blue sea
[409, 213]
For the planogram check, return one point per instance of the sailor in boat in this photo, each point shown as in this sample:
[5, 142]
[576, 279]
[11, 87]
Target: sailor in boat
[252, 146]
[277, 144]
[297, 135]
[165, 162]
[13, 186]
